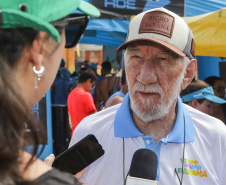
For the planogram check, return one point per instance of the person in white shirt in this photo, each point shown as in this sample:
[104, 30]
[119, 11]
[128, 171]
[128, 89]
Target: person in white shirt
[190, 145]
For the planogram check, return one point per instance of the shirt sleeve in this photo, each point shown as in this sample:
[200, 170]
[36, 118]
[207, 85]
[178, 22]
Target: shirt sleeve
[56, 177]
[89, 104]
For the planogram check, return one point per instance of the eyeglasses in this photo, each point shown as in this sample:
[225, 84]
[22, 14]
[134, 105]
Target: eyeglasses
[220, 89]
[75, 29]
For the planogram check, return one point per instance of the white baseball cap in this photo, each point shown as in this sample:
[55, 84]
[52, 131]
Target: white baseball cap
[163, 27]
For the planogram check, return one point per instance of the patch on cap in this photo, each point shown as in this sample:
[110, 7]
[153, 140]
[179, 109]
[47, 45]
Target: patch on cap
[193, 48]
[157, 22]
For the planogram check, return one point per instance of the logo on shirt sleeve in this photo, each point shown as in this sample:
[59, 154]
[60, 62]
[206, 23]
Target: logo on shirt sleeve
[192, 167]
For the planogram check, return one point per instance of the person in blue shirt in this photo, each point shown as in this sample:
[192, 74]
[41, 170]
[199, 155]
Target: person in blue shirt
[64, 71]
[59, 90]
[73, 81]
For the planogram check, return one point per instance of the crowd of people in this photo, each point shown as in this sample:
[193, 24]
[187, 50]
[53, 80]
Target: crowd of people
[145, 110]
[207, 96]
[85, 92]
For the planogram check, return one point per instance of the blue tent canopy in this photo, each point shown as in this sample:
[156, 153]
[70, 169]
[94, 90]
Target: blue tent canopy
[108, 32]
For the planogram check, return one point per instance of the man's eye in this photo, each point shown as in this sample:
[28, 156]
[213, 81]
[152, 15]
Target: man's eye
[163, 59]
[136, 56]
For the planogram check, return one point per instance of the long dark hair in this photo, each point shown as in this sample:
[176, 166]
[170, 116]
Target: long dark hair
[14, 112]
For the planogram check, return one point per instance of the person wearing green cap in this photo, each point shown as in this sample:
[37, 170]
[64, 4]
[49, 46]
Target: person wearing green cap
[32, 37]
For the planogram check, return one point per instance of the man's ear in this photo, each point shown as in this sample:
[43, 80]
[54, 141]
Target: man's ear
[36, 51]
[189, 73]
[88, 81]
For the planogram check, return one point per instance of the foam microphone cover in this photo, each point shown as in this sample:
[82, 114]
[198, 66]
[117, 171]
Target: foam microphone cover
[144, 164]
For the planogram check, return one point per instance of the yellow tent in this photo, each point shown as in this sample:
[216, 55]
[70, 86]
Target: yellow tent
[209, 32]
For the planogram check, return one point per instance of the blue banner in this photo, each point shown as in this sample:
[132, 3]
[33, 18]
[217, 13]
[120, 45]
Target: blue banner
[124, 9]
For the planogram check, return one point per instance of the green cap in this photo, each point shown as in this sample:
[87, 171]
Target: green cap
[38, 13]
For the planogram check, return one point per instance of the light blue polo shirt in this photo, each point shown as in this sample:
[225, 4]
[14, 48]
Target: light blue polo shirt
[125, 127]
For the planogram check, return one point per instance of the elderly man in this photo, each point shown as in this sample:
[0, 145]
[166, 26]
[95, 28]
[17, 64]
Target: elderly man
[159, 62]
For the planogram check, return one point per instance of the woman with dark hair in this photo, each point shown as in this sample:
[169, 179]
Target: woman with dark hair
[32, 37]
[219, 111]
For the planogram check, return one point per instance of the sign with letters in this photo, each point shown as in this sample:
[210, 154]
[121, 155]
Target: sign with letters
[125, 9]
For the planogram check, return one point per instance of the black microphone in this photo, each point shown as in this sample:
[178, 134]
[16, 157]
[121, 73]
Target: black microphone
[143, 169]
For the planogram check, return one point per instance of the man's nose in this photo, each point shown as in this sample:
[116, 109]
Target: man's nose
[147, 73]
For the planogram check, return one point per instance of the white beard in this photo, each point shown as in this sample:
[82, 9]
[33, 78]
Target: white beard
[148, 110]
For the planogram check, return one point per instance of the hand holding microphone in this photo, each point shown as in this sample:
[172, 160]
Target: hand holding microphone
[143, 169]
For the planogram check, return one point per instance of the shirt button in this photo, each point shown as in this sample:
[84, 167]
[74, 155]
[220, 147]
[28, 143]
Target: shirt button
[148, 142]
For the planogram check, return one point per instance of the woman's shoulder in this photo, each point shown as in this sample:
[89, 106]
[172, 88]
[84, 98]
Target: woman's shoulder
[41, 173]
[56, 177]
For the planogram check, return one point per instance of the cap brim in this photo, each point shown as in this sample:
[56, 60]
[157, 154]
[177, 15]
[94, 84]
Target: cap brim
[88, 9]
[164, 44]
[19, 19]
[73, 80]
[215, 99]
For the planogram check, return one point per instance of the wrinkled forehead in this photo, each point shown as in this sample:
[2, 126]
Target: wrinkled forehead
[138, 45]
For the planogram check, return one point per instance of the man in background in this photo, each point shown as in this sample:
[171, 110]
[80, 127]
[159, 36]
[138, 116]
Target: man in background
[93, 67]
[64, 71]
[105, 85]
[118, 96]
[73, 81]
[80, 101]
[59, 90]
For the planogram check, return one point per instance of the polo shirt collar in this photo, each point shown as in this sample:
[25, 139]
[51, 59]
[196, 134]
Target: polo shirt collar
[125, 127]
